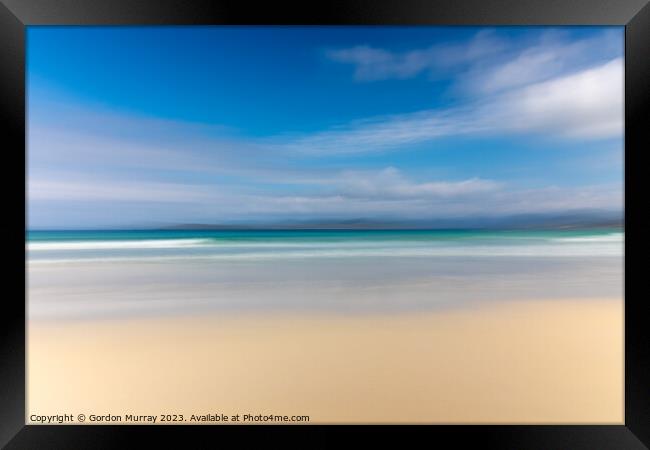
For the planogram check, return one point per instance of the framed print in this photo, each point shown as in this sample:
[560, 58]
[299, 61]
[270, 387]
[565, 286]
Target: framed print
[381, 218]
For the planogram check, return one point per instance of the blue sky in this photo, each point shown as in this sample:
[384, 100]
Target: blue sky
[137, 126]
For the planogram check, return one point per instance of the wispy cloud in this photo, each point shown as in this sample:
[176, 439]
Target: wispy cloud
[552, 56]
[553, 86]
[373, 64]
[487, 62]
[390, 183]
[111, 189]
[587, 104]
[386, 193]
[480, 202]
[383, 133]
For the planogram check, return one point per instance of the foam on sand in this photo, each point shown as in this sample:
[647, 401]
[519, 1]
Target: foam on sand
[112, 245]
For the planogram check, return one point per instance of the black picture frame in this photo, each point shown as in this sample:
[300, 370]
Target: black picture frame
[15, 15]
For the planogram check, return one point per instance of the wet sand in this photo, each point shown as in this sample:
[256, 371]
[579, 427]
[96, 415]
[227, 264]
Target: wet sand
[555, 361]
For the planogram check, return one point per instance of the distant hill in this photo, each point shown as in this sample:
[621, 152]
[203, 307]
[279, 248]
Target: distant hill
[575, 220]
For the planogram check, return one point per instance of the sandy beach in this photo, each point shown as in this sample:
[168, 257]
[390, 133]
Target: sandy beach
[556, 361]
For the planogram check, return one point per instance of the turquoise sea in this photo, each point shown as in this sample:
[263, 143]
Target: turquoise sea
[103, 274]
[69, 246]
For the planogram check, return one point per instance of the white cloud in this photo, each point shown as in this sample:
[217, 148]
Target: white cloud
[477, 201]
[390, 183]
[77, 149]
[382, 133]
[583, 105]
[586, 105]
[360, 194]
[555, 86]
[111, 189]
[372, 64]
[485, 63]
[551, 57]
[557, 199]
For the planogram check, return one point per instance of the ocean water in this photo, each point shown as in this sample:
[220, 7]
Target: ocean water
[71, 246]
[116, 273]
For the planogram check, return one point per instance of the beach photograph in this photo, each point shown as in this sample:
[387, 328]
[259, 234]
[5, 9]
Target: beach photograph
[324, 225]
